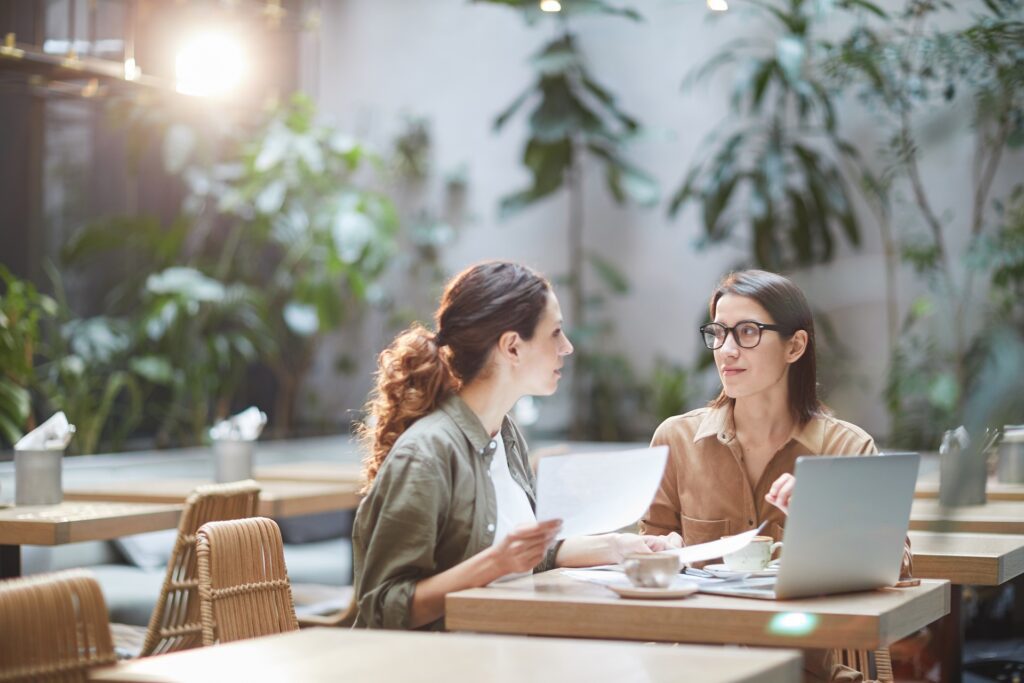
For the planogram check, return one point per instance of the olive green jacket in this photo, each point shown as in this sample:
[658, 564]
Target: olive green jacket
[431, 507]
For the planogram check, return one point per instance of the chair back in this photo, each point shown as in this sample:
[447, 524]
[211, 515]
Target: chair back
[175, 623]
[243, 583]
[53, 627]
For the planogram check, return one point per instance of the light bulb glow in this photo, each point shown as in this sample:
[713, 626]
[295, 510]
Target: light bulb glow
[550, 6]
[718, 5]
[210, 64]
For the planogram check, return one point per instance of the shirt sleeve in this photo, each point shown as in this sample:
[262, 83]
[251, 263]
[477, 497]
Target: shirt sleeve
[662, 517]
[398, 525]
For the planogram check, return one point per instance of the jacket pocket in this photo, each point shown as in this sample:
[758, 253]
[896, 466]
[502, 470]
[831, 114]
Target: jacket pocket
[703, 530]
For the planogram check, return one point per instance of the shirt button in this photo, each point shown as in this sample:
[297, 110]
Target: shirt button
[490, 527]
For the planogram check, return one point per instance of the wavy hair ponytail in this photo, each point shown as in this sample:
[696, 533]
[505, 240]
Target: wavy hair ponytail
[412, 379]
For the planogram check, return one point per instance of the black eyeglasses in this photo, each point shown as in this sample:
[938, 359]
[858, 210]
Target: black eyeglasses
[747, 333]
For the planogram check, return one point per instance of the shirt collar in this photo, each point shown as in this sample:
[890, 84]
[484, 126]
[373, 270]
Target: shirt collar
[719, 422]
[812, 436]
[468, 422]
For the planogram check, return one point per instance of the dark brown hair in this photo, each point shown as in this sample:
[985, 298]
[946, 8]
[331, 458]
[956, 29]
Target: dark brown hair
[420, 369]
[789, 310]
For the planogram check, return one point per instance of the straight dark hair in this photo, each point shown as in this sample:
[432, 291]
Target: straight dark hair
[789, 310]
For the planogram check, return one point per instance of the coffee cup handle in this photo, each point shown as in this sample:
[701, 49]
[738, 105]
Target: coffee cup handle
[775, 546]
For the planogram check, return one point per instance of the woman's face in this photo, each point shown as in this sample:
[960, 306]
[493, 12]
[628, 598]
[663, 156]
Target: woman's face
[748, 372]
[541, 357]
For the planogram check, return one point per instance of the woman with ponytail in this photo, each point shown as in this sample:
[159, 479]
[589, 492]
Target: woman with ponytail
[450, 495]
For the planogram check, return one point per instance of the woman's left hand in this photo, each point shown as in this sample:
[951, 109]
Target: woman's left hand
[781, 492]
[659, 543]
[627, 544]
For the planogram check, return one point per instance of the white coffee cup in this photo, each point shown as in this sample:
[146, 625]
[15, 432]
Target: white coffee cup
[755, 556]
[651, 570]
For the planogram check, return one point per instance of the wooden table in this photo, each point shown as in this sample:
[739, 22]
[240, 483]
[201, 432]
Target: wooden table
[277, 498]
[997, 517]
[325, 472]
[552, 604]
[994, 490]
[346, 655]
[968, 558]
[71, 522]
[964, 559]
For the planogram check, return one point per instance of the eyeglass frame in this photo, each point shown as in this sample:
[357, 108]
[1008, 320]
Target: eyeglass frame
[761, 327]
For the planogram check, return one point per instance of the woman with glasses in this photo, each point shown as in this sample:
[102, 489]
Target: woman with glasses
[450, 496]
[730, 464]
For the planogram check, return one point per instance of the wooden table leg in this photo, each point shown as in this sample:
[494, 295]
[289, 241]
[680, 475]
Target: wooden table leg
[10, 561]
[951, 637]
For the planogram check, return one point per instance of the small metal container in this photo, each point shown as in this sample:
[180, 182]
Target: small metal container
[37, 477]
[232, 460]
[962, 473]
[1011, 456]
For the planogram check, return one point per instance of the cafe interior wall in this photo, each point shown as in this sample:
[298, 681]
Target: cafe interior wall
[459, 64]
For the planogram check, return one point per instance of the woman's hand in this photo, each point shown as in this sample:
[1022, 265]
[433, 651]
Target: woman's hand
[781, 492]
[627, 544]
[524, 547]
[659, 543]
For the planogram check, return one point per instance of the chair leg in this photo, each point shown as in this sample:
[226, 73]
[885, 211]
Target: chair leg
[873, 665]
[883, 666]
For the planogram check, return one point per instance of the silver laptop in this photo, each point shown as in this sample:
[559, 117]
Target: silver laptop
[847, 523]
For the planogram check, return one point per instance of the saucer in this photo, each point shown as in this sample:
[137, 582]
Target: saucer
[679, 589]
[723, 572]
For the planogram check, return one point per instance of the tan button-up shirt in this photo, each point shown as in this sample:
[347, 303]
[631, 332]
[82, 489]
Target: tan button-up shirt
[431, 506]
[706, 492]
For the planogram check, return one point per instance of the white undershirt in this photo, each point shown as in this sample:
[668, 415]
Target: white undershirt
[513, 505]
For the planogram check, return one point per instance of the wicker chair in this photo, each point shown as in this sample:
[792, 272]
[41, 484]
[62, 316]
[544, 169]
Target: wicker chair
[175, 623]
[876, 666]
[243, 583]
[54, 627]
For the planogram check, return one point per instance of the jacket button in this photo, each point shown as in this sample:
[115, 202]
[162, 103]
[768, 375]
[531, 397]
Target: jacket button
[750, 522]
[490, 527]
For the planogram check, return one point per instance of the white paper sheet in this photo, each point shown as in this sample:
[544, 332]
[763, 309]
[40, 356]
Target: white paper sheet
[714, 549]
[594, 493]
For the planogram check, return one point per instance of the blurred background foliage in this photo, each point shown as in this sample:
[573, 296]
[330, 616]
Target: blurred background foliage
[289, 230]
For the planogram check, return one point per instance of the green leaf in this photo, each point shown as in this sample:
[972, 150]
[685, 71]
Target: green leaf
[612, 277]
[548, 162]
[555, 116]
[15, 401]
[685, 192]
[156, 369]
[716, 202]
[629, 184]
[556, 58]
[510, 111]
[944, 392]
[794, 22]
[9, 431]
[762, 76]
[864, 4]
